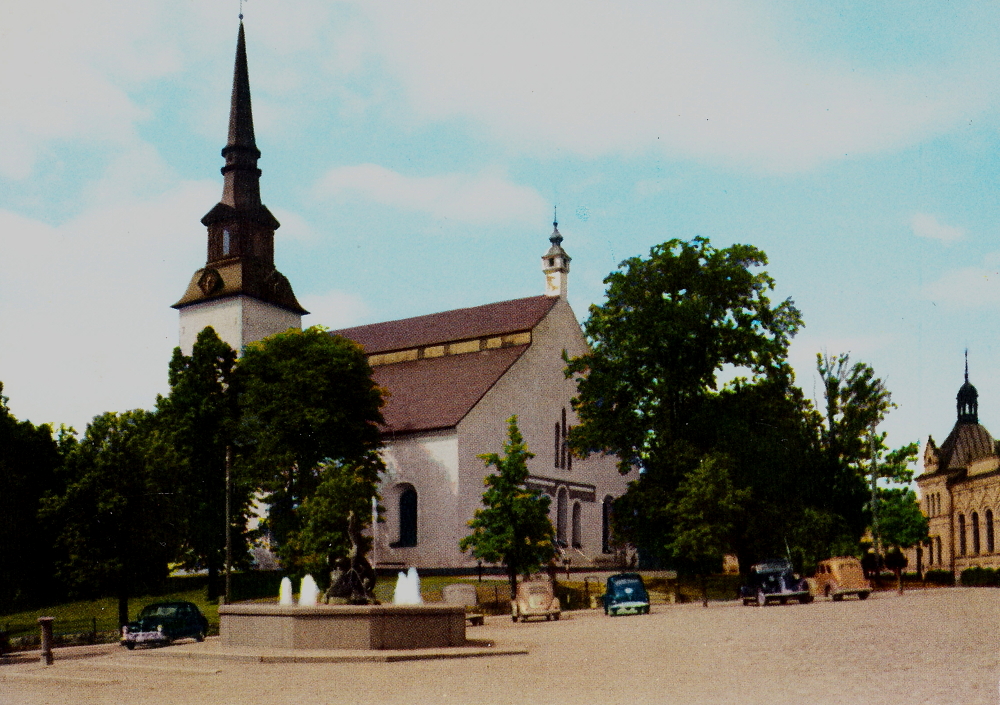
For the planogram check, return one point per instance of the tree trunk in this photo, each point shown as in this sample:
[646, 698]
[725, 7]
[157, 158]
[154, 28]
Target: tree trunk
[512, 575]
[899, 580]
[704, 590]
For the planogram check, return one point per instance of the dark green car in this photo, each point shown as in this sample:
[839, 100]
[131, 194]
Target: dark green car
[162, 622]
[626, 594]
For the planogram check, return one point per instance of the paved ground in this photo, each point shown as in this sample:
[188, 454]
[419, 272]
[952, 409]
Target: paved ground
[933, 646]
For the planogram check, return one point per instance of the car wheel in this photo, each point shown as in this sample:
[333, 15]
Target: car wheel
[805, 599]
[129, 645]
[783, 600]
[199, 637]
[826, 591]
[863, 595]
[761, 598]
[556, 616]
[514, 618]
[838, 598]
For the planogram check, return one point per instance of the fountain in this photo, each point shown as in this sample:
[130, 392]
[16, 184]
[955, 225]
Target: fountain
[408, 624]
[308, 592]
[407, 590]
[285, 592]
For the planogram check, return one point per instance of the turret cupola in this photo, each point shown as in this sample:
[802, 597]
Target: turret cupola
[555, 264]
[968, 399]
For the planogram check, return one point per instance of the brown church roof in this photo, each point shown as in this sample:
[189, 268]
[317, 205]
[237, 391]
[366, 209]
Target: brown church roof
[967, 443]
[437, 393]
[460, 324]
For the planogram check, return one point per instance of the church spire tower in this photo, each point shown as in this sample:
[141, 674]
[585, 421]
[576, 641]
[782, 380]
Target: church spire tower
[555, 263]
[967, 399]
[239, 292]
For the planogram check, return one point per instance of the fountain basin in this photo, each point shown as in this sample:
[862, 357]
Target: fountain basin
[342, 626]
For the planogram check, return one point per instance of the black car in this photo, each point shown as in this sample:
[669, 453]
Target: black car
[626, 594]
[774, 581]
[162, 622]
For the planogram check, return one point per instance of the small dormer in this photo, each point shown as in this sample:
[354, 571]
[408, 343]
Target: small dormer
[555, 264]
[931, 456]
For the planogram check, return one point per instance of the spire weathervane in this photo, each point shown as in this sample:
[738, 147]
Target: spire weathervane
[966, 365]
[241, 10]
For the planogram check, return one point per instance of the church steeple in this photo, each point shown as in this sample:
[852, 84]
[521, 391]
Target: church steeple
[240, 258]
[555, 263]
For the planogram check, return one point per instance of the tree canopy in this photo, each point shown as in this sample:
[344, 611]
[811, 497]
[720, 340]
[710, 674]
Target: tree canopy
[307, 402]
[513, 527]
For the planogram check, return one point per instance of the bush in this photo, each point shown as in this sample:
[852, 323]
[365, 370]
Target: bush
[939, 577]
[980, 577]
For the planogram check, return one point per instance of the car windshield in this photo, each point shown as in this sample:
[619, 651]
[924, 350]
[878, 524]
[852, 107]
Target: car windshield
[628, 587]
[159, 611]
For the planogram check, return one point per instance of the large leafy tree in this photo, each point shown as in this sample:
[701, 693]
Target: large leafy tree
[199, 417]
[513, 527]
[671, 323]
[29, 460]
[706, 510]
[116, 517]
[307, 403]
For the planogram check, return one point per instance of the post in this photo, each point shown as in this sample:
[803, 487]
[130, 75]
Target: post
[227, 598]
[875, 537]
[46, 624]
[93, 630]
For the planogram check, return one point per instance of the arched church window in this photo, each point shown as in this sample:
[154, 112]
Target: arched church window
[407, 517]
[961, 534]
[975, 533]
[606, 509]
[562, 458]
[988, 525]
[577, 526]
[226, 242]
[561, 509]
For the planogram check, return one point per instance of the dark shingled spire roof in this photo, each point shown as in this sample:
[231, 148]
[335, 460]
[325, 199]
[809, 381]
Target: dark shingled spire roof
[240, 227]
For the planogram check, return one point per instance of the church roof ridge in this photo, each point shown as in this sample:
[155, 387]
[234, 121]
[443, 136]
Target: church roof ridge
[448, 326]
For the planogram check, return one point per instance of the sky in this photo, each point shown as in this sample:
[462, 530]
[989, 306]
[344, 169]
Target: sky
[413, 153]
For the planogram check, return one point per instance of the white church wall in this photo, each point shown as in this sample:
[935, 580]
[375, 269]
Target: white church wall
[536, 389]
[429, 463]
[238, 320]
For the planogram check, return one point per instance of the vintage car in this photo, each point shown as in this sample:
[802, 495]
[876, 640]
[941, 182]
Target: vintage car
[162, 622]
[774, 581]
[535, 598]
[626, 594]
[837, 577]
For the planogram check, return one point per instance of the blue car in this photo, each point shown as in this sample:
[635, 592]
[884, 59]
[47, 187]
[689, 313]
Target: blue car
[626, 594]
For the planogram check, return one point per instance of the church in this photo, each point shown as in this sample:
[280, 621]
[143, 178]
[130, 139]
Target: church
[960, 492]
[453, 378]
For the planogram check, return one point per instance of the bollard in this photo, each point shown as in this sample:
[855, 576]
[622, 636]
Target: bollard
[46, 624]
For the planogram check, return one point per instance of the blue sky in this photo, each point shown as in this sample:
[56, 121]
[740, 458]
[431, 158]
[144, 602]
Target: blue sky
[413, 153]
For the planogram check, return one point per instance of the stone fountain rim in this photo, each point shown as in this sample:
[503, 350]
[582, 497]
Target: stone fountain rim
[302, 611]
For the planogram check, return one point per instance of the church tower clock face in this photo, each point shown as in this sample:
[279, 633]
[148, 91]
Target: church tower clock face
[239, 292]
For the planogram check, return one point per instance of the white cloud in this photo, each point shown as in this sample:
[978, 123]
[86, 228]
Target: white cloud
[480, 198]
[86, 325]
[334, 309]
[967, 287]
[707, 80]
[927, 226]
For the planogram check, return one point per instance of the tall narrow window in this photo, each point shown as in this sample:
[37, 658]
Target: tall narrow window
[940, 556]
[606, 510]
[975, 534]
[988, 521]
[226, 242]
[557, 449]
[561, 498]
[407, 518]
[930, 552]
[961, 534]
[563, 460]
[577, 526]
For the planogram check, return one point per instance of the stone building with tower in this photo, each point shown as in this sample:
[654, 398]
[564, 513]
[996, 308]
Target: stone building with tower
[960, 493]
[452, 378]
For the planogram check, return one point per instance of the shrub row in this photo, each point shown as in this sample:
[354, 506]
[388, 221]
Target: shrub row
[980, 577]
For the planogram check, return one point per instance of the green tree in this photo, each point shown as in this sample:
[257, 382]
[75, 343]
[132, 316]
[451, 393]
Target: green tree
[671, 323]
[199, 417]
[117, 514]
[706, 511]
[345, 490]
[29, 461]
[901, 525]
[307, 401]
[513, 527]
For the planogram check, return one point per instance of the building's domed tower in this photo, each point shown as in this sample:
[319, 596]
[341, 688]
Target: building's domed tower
[238, 291]
[555, 264]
